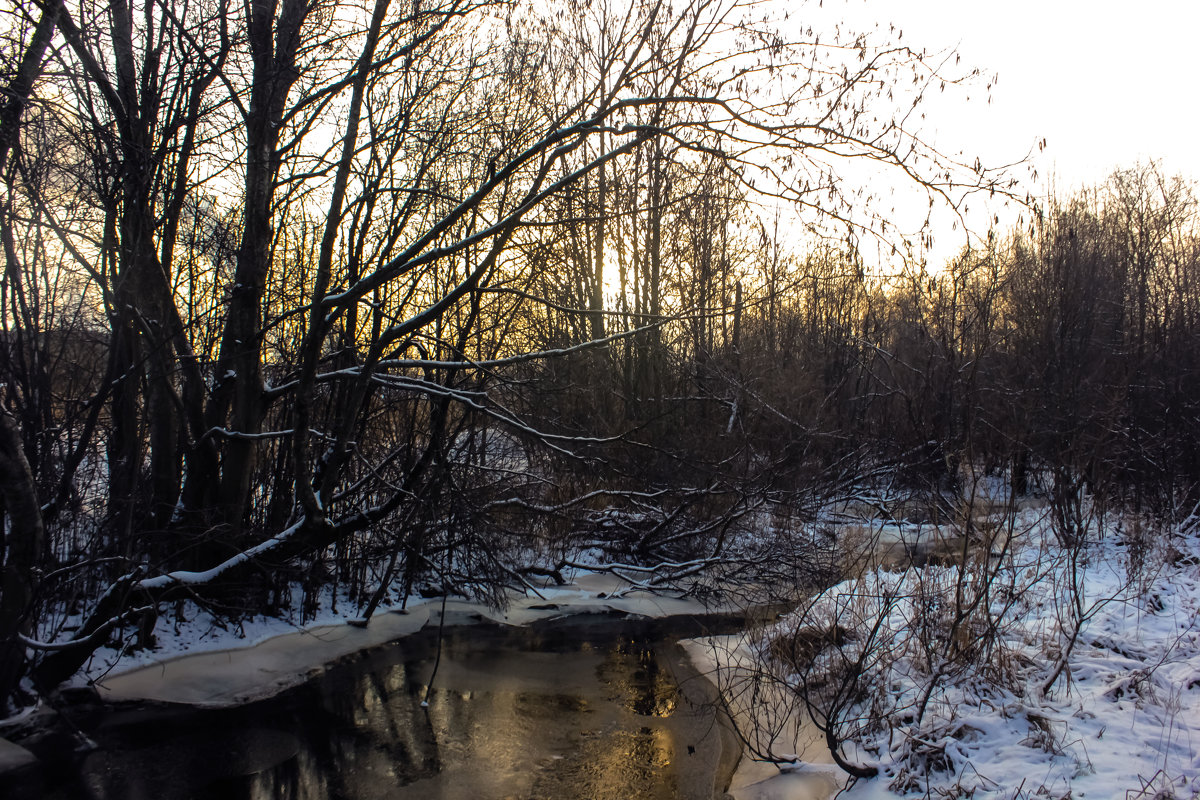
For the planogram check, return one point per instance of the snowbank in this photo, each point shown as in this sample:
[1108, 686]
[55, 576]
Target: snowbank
[223, 677]
[14, 757]
[812, 777]
[1122, 721]
[206, 666]
[971, 718]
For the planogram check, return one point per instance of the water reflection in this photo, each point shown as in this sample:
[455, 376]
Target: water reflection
[638, 681]
[591, 709]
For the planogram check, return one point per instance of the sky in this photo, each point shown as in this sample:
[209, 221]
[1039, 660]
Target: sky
[1105, 84]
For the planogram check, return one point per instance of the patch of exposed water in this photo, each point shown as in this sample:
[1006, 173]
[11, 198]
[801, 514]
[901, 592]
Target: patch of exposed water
[588, 707]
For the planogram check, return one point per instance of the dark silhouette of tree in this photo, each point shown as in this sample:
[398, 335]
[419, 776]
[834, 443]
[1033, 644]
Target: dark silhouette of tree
[354, 263]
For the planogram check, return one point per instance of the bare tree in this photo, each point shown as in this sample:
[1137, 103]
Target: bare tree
[325, 235]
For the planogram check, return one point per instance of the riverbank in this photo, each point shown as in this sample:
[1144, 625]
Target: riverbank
[205, 665]
[602, 706]
[1076, 674]
[1124, 718]
[271, 656]
[813, 776]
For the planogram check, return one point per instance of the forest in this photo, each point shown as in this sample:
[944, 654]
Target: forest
[311, 302]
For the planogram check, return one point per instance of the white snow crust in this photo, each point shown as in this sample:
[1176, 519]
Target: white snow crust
[1122, 722]
[203, 664]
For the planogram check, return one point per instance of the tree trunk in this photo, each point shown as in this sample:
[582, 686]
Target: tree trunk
[22, 537]
[596, 302]
[21, 86]
[238, 401]
[22, 545]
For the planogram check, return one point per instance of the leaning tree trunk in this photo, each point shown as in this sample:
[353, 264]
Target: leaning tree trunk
[22, 545]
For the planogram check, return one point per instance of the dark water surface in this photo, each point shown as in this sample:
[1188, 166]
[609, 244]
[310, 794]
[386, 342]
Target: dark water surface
[590, 707]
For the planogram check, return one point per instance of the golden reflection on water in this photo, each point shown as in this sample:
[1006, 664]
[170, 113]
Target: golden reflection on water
[598, 722]
[639, 682]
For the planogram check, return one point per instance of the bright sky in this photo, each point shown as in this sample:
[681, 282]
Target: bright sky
[1106, 83]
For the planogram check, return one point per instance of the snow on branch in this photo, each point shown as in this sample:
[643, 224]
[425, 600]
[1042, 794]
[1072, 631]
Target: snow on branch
[188, 578]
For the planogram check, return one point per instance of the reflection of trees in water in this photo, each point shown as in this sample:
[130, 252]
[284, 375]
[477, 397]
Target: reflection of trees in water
[171, 760]
[362, 738]
[632, 671]
[397, 728]
[386, 737]
[584, 711]
[297, 779]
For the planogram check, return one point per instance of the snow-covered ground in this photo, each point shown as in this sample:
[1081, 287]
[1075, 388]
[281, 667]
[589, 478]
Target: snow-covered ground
[1122, 720]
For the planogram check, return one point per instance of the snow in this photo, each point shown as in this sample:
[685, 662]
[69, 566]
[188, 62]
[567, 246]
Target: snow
[813, 779]
[183, 577]
[237, 675]
[202, 664]
[1123, 722]
[14, 757]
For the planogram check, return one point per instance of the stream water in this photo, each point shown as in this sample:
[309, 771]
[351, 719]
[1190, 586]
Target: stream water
[591, 707]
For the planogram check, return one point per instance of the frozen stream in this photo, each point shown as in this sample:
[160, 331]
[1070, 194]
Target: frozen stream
[594, 707]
